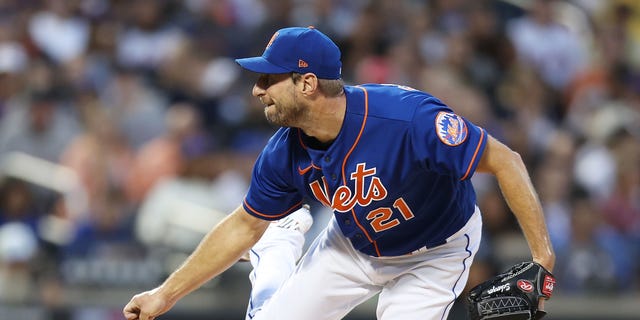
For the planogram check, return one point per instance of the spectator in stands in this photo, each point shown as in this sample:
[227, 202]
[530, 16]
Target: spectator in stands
[166, 155]
[41, 129]
[555, 51]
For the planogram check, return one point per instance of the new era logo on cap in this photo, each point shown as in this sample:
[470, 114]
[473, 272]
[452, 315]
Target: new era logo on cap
[299, 50]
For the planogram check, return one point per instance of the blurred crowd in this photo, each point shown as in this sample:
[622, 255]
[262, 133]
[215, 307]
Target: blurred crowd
[127, 130]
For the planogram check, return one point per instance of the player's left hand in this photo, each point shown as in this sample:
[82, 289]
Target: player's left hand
[147, 305]
[518, 293]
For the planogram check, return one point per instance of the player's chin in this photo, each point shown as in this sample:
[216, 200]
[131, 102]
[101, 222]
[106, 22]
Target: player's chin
[270, 109]
[268, 112]
[279, 121]
[272, 116]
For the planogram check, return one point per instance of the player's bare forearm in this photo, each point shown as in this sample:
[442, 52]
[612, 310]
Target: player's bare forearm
[217, 251]
[521, 197]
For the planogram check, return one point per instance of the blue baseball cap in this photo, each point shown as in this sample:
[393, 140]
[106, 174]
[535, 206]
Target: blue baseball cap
[300, 50]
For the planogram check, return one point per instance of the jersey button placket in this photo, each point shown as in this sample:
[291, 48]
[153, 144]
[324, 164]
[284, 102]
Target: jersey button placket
[327, 159]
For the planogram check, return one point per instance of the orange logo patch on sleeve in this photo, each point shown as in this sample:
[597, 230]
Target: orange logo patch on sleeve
[451, 128]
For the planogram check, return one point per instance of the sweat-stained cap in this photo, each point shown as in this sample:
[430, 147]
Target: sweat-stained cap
[300, 50]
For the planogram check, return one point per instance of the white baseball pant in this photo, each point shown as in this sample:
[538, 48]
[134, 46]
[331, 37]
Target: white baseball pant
[333, 277]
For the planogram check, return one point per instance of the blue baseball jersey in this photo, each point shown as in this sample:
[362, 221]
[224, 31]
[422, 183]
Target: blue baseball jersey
[396, 176]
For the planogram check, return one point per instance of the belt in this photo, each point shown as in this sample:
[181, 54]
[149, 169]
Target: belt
[425, 248]
[417, 251]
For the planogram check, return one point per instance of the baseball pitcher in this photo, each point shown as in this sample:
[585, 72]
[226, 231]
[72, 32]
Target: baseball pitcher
[394, 165]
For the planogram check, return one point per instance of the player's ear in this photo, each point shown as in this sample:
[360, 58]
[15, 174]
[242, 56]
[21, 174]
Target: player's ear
[309, 83]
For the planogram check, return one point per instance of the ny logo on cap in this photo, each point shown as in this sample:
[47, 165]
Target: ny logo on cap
[273, 38]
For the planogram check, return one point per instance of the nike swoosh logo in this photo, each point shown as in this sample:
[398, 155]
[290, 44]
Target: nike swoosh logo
[305, 170]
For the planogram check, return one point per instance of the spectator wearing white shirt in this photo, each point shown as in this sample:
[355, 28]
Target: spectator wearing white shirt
[550, 47]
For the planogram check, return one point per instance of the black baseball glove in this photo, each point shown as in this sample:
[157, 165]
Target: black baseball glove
[512, 295]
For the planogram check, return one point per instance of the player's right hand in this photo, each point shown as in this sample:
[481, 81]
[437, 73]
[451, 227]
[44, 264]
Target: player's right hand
[147, 305]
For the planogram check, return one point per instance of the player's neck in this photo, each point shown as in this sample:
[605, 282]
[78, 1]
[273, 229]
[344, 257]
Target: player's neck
[326, 119]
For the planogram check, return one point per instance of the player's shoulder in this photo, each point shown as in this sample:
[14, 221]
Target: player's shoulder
[281, 140]
[393, 91]
[399, 102]
[276, 158]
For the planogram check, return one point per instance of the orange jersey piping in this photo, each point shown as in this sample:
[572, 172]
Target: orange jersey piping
[271, 216]
[475, 154]
[344, 163]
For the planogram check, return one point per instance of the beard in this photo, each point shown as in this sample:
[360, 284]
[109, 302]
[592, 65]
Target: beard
[285, 114]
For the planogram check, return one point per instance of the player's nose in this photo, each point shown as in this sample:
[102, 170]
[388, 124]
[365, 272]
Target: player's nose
[259, 87]
[257, 91]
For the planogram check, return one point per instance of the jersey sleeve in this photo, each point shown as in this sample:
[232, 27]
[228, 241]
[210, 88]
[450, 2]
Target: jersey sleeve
[446, 142]
[271, 194]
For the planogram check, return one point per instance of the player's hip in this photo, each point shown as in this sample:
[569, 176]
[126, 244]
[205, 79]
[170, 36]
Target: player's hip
[472, 230]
